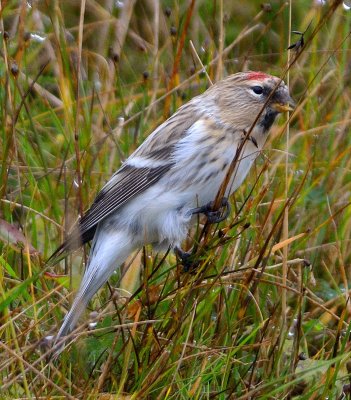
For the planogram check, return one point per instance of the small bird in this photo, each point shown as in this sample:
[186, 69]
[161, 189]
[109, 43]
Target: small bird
[175, 174]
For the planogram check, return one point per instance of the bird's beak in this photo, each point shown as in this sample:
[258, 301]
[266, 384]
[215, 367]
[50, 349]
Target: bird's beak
[284, 107]
[283, 103]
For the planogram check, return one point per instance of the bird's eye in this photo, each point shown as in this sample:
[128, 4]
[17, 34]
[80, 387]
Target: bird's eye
[257, 89]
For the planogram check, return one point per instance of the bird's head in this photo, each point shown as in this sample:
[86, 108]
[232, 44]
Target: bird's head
[240, 98]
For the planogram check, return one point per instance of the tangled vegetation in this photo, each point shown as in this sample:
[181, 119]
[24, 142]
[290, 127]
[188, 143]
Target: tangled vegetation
[266, 312]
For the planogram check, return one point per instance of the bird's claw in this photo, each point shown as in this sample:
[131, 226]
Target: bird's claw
[186, 258]
[214, 217]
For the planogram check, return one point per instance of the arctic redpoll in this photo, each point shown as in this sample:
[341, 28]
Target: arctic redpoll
[175, 174]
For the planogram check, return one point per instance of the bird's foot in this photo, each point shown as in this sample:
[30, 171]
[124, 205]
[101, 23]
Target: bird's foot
[186, 259]
[214, 217]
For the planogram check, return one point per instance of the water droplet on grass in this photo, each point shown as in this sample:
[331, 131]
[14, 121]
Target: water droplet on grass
[299, 172]
[290, 335]
[92, 325]
[37, 38]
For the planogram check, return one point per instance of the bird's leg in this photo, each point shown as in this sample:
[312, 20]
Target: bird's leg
[185, 257]
[213, 217]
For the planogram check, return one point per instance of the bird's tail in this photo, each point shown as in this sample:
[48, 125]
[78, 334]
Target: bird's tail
[109, 251]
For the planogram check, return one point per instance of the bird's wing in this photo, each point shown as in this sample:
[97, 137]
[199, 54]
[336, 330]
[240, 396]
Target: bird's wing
[142, 170]
[128, 182]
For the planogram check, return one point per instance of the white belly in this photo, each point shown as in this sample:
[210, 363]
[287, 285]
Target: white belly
[161, 214]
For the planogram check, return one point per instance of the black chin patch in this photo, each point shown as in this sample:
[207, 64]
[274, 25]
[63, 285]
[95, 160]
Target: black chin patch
[267, 121]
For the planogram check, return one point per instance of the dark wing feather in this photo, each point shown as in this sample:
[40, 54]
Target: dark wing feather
[133, 182]
[127, 183]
